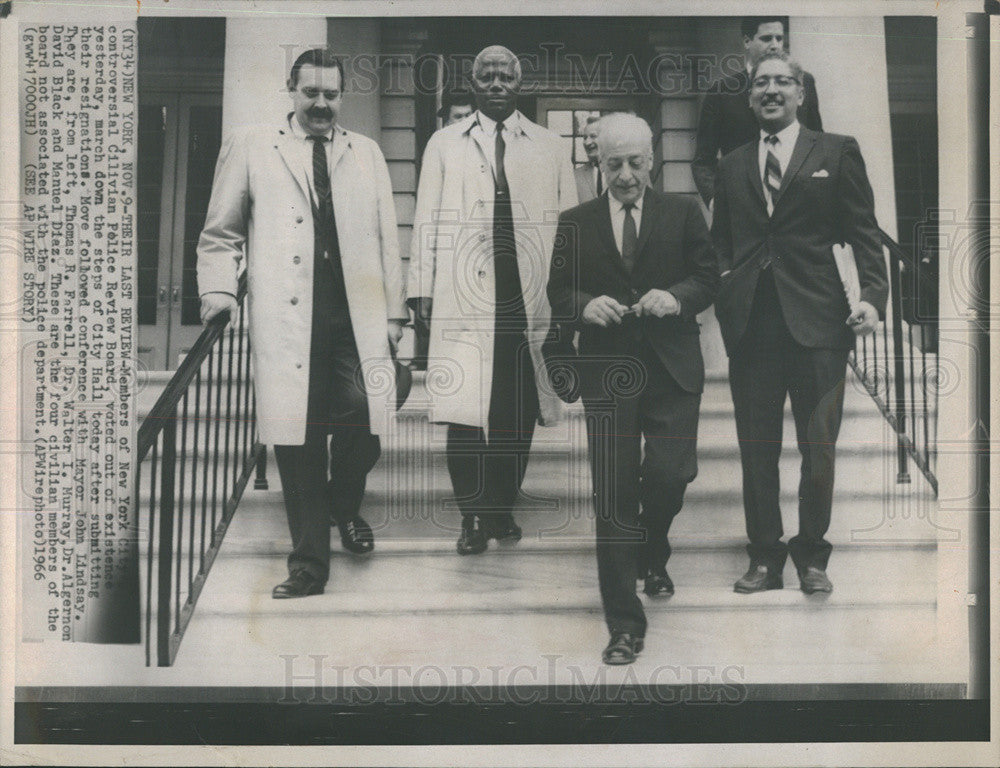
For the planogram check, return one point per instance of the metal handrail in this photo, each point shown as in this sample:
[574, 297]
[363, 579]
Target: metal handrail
[163, 436]
[890, 371]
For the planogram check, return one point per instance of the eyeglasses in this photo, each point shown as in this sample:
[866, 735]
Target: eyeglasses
[782, 81]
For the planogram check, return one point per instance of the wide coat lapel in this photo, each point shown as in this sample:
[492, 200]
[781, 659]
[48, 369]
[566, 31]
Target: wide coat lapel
[609, 249]
[803, 146]
[752, 171]
[288, 149]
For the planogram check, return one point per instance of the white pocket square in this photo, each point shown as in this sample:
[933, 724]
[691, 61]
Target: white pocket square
[821, 174]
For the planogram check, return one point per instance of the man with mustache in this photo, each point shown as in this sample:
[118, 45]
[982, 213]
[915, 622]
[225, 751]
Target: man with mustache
[726, 121]
[589, 183]
[630, 271]
[491, 188]
[312, 205]
[781, 204]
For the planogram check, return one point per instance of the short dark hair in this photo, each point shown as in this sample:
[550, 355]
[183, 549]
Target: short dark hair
[793, 65]
[460, 97]
[751, 24]
[317, 57]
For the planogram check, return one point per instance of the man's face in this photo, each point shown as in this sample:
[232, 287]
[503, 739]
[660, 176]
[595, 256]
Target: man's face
[316, 98]
[496, 85]
[626, 163]
[590, 142]
[775, 95]
[456, 112]
[770, 38]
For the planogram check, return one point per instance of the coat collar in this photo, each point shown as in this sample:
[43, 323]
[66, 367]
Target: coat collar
[288, 145]
[751, 165]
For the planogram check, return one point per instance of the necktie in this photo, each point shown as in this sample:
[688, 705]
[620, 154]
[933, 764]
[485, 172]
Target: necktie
[772, 171]
[600, 185]
[323, 207]
[630, 238]
[510, 310]
[500, 150]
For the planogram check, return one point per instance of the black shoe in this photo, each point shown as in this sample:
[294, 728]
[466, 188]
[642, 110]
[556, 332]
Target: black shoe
[356, 535]
[622, 649]
[759, 578]
[814, 580]
[299, 584]
[658, 585]
[503, 528]
[472, 540]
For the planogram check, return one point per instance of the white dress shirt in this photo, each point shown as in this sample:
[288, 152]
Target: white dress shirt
[487, 127]
[306, 152]
[618, 217]
[787, 137]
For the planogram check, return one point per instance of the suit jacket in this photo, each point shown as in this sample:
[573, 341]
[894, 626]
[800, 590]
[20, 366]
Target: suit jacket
[260, 206]
[674, 253]
[825, 198]
[586, 185]
[451, 256]
[727, 122]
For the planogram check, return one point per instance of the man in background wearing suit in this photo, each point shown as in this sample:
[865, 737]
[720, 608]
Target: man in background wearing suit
[781, 204]
[589, 183]
[630, 270]
[312, 204]
[726, 120]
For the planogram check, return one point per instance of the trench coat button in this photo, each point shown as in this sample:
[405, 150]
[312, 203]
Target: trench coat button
[482, 273]
[296, 259]
[295, 300]
[298, 219]
[298, 365]
[482, 238]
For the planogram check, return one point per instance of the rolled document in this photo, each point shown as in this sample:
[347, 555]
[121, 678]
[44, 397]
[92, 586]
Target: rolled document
[843, 255]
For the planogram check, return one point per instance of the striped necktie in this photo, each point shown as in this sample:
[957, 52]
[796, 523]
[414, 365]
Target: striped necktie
[772, 172]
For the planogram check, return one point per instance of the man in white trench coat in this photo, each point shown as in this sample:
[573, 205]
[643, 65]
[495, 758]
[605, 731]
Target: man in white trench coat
[491, 189]
[311, 206]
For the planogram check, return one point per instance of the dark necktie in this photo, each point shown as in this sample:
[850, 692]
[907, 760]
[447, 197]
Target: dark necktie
[510, 312]
[600, 185]
[630, 238]
[772, 170]
[323, 205]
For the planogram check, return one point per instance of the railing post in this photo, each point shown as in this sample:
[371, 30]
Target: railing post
[899, 372]
[166, 541]
[260, 480]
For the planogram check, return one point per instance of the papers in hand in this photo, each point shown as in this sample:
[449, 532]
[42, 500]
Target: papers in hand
[843, 255]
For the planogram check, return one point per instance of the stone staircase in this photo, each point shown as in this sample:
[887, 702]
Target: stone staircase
[415, 604]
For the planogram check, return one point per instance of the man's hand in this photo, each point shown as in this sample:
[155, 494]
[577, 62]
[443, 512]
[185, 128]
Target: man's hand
[394, 330]
[603, 311]
[214, 303]
[658, 303]
[864, 319]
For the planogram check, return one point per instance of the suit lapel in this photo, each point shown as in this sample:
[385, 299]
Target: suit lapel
[803, 146]
[286, 145]
[607, 236]
[651, 213]
[752, 167]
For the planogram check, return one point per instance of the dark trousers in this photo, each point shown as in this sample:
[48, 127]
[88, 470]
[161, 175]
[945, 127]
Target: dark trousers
[627, 473]
[487, 469]
[769, 364]
[324, 479]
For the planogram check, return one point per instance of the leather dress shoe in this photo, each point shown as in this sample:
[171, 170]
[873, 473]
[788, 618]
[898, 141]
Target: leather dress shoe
[814, 580]
[658, 585]
[299, 584]
[759, 578]
[622, 649]
[503, 528]
[356, 535]
[472, 540]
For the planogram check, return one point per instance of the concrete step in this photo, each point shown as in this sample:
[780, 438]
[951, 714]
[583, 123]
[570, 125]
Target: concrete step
[510, 581]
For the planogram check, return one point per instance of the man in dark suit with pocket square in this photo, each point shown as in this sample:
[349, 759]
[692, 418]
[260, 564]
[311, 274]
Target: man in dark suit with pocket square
[726, 120]
[630, 271]
[781, 204]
